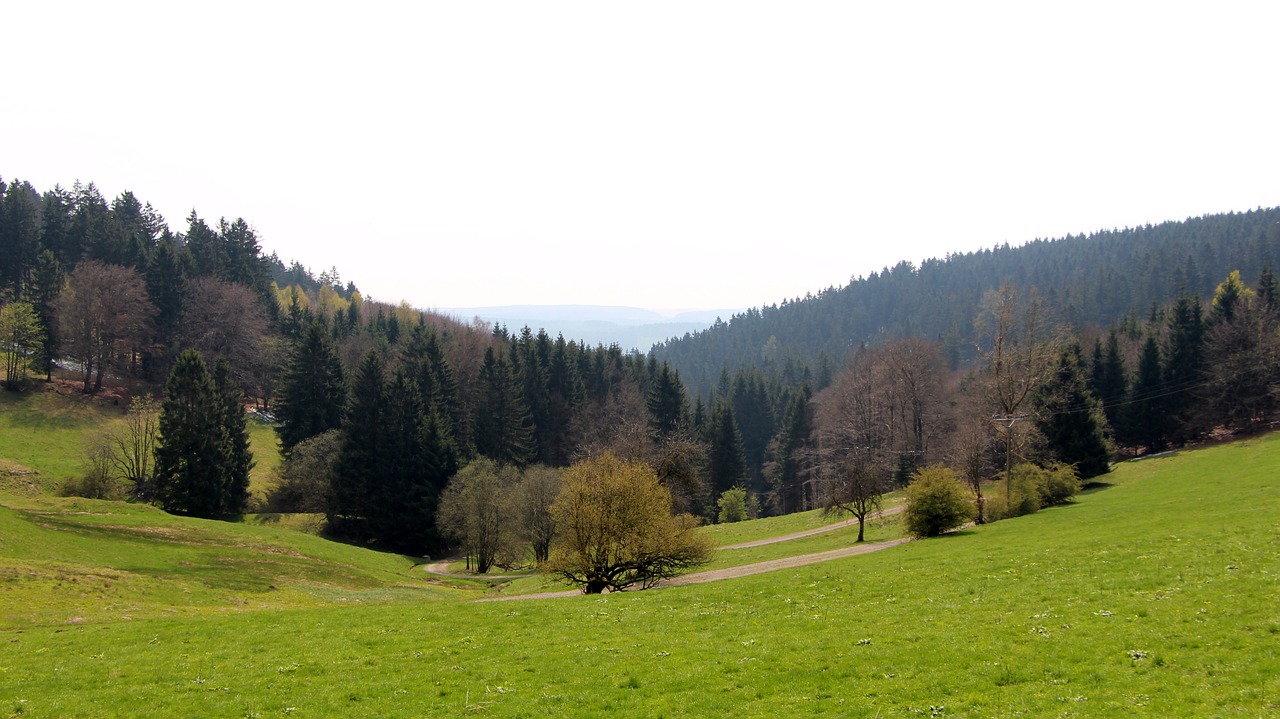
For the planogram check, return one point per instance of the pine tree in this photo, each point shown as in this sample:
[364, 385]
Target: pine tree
[315, 391]
[1184, 366]
[1108, 382]
[238, 456]
[363, 457]
[667, 404]
[1145, 422]
[45, 287]
[502, 425]
[193, 455]
[1071, 419]
[728, 467]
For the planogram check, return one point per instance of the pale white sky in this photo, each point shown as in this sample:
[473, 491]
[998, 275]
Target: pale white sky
[660, 154]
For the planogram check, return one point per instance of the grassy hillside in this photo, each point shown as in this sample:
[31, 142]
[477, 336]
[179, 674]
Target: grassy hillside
[1154, 596]
[43, 436]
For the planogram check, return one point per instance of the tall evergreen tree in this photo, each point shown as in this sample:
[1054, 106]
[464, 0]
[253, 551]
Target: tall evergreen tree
[46, 285]
[786, 466]
[1071, 419]
[197, 470]
[668, 407]
[238, 457]
[1144, 419]
[502, 424]
[727, 466]
[363, 458]
[1184, 367]
[1108, 381]
[315, 390]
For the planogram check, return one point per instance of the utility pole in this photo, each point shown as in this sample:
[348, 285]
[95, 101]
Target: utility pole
[1008, 421]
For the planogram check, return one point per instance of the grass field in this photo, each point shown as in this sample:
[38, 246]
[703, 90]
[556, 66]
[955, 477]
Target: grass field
[1153, 596]
[47, 432]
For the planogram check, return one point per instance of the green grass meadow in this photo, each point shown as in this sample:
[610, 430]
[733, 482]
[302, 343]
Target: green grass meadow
[1155, 595]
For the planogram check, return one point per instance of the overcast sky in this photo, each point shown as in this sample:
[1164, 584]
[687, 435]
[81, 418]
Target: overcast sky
[658, 154]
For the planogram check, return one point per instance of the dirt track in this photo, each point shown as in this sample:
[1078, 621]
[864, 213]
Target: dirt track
[745, 570]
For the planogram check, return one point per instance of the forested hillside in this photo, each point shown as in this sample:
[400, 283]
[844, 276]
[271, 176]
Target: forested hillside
[1094, 279]
[1059, 354]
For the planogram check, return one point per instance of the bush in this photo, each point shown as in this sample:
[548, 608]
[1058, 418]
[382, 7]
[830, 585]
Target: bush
[1033, 488]
[1059, 484]
[936, 502]
[736, 505]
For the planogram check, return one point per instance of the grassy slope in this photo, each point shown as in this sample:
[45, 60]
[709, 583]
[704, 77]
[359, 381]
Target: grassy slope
[1154, 597]
[47, 432]
[74, 560]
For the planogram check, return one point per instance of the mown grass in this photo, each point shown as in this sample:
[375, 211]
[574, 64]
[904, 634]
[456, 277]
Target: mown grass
[1153, 597]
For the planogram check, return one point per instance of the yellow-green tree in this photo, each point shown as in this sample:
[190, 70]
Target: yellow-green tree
[20, 340]
[614, 528]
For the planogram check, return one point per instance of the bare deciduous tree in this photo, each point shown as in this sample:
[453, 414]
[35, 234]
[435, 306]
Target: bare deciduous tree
[222, 320]
[854, 459]
[103, 314]
[133, 446]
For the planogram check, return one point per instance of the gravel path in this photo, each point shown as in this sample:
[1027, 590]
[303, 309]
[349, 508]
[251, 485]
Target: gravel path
[745, 570]
[808, 532]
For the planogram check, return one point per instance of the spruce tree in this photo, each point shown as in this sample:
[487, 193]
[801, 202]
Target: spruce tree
[362, 460]
[1071, 419]
[1108, 382]
[194, 454]
[1144, 419]
[314, 393]
[502, 424]
[238, 456]
[727, 466]
[45, 288]
[1184, 367]
[668, 407]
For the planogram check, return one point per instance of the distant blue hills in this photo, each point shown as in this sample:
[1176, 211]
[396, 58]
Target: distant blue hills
[628, 327]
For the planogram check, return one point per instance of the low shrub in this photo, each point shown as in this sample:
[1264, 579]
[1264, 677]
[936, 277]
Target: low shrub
[936, 502]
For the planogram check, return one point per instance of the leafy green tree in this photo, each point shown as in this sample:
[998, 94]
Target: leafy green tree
[305, 479]
[200, 471]
[473, 511]
[314, 392]
[1071, 419]
[732, 506]
[936, 502]
[529, 508]
[21, 338]
[615, 528]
